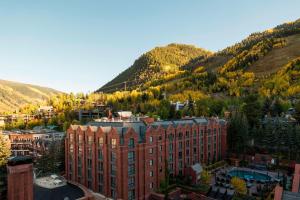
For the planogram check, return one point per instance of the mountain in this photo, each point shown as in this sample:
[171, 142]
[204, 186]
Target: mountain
[160, 62]
[250, 65]
[14, 95]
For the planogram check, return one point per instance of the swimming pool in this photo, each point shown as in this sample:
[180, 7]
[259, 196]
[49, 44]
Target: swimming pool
[249, 175]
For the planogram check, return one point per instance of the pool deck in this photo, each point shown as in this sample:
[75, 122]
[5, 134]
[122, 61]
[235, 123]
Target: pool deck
[254, 185]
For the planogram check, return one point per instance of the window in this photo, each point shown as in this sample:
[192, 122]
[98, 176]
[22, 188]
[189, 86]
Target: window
[113, 143]
[151, 173]
[90, 140]
[187, 134]
[113, 181]
[170, 157]
[151, 185]
[195, 150]
[194, 142]
[89, 163]
[195, 133]
[131, 181]
[131, 143]
[100, 166]
[131, 170]
[187, 153]
[150, 139]
[160, 147]
[100, 178]
[79, 171]
[150, 162]
[113, 194]
[100, 188]
[187, 143]
[80, 150]
[180, 136]
[180, 164]
[71, 137]
[151, 151]
[71, 148]
[100, 154]
[131, 156]
[159, 138]
[113, 169]
[89, 184]
[100, 141]
[113, 156]
[80, 139]
[208, 131]
[89, 152]
[79, 161]
[131, 195]
[180, 155]
[170, 147]
[89, 174]
[170, 167]
[180, 145]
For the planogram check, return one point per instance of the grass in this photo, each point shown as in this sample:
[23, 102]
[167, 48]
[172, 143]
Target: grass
[275, 59]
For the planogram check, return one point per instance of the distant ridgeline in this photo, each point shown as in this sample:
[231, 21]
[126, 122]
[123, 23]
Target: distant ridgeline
[265, 62]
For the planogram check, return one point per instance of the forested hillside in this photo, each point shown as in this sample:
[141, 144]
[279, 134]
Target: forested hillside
[14, 95]
[246, 66]
[161, 63]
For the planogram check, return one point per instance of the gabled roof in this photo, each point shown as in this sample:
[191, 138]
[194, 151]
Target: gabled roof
[197, 168]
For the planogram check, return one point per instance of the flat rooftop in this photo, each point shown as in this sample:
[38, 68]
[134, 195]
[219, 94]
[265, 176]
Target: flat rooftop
[69, 191]
[55, 187]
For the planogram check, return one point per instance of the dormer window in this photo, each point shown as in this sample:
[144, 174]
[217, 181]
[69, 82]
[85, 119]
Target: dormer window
[131, 143]
[100, 142]
[150, 139]
[113, 143]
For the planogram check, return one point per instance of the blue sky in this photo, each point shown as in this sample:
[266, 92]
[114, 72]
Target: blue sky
[80, 45]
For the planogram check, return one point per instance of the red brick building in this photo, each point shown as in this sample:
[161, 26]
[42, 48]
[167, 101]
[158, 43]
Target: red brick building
[20, 179]
[127, 160]
[280, 194]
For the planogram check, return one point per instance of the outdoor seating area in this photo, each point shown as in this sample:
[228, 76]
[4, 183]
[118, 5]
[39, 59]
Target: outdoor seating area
[223, 193]
[257, 182]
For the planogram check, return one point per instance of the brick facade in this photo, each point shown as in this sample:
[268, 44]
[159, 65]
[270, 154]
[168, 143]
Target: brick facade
[127, 160]
[20, 182]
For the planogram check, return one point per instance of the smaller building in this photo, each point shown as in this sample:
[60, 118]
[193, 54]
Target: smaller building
[32, 142]
[194, 172]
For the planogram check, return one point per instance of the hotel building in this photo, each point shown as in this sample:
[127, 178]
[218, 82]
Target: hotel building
[128, 160]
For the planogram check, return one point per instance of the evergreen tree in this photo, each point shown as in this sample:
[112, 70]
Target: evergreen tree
[237, 133]
[252, 109]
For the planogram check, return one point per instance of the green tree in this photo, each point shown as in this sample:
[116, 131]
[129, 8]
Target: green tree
[252, 109]
[297, 112]
[4, 150]
[237, 133]
[276, 108]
